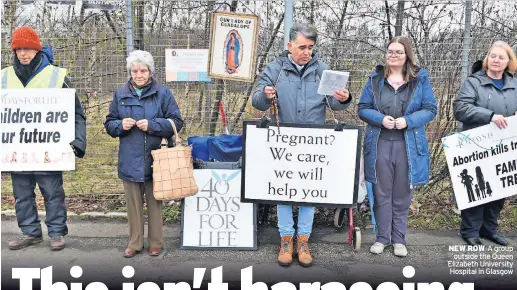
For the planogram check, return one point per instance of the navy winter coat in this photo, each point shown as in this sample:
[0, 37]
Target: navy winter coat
[156, 104]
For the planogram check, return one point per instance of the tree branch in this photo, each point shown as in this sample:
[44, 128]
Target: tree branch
[112, 25]
[390, 36]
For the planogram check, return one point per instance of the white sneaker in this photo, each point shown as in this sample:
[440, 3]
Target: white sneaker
[377, 248]
[399, 250]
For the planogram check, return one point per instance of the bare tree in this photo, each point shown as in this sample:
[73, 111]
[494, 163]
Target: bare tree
[388, 20]
[400, 17]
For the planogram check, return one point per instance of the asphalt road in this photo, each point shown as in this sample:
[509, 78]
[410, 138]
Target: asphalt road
[96, 246]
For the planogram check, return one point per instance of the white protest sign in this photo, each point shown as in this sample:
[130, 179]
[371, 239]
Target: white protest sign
[215, 216]
[483, 168]
[303, 164]
[37, 128]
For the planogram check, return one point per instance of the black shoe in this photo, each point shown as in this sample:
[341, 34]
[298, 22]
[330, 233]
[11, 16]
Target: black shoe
[496, 239]
[473, 241]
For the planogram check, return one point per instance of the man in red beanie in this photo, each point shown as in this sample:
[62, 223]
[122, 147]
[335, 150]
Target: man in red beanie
[33, 68]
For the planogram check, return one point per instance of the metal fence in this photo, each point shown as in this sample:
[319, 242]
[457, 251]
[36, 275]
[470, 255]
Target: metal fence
[91, 41]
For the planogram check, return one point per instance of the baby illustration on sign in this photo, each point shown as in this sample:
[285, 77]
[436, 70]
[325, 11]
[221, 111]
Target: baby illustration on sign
[25, 158]
[222, 185]
[232, 49]
[34, 158]
[14, 158]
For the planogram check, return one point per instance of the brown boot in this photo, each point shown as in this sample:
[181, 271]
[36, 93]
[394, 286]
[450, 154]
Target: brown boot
[24, 241]
[304, 254]
[57, 243]
[285, 255]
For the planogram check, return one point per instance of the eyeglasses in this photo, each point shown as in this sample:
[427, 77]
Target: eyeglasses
[396, 53]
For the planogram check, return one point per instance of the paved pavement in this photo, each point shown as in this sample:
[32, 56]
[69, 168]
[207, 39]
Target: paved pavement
[96, 246]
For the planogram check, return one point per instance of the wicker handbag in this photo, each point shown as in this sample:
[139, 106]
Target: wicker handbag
[173, 170]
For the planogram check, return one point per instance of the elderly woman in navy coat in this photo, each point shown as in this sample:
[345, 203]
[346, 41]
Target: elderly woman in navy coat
[139, 116]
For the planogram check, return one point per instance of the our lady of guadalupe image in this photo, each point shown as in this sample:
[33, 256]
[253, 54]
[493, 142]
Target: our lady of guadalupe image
[232, 51]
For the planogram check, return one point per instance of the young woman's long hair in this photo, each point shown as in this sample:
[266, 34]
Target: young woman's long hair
[410, 68]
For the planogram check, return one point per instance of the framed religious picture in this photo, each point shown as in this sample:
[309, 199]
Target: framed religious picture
[233, 46]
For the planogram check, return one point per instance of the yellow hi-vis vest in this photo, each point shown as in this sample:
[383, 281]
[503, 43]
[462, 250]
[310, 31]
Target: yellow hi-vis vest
[49, 77]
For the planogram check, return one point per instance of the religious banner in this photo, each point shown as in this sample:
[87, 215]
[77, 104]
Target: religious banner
[233, 45]
[37, 128]
[186, 65]
[482, 163]
[305, 164]
[215, 218]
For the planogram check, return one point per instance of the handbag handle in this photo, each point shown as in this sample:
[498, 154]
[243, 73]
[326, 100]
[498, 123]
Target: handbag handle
[177, 138]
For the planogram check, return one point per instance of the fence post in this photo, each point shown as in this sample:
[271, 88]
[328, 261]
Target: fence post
[467, 40]
[288, 20]
[129, 26]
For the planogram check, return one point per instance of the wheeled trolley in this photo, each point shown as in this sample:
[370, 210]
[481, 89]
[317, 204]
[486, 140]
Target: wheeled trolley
[354, 233]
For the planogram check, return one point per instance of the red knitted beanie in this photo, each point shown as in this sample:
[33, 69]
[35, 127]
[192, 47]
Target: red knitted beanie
[25, 37]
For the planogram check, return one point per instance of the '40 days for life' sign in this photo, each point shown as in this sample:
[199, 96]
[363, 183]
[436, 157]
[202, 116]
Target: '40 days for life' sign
[37, 128]
[482, 163]
[215, 218]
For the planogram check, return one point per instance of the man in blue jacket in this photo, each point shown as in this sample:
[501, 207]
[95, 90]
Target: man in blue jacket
[293, 80]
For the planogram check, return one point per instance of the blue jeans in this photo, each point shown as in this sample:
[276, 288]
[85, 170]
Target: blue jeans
[286, 222]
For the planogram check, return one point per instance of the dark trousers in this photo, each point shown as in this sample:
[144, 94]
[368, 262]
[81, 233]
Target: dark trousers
[51, 187]
[392, 194]
[481, 219]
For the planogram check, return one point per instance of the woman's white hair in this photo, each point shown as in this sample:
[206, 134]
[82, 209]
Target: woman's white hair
[140, 57]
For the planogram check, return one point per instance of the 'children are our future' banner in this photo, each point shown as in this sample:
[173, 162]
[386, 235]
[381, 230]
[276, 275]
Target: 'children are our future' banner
[37, 128]
[483, 163]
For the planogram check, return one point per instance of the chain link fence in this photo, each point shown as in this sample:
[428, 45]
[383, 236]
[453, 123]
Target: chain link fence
[89, 39]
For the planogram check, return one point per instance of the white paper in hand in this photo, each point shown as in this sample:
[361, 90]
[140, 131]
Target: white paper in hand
[332, 81]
